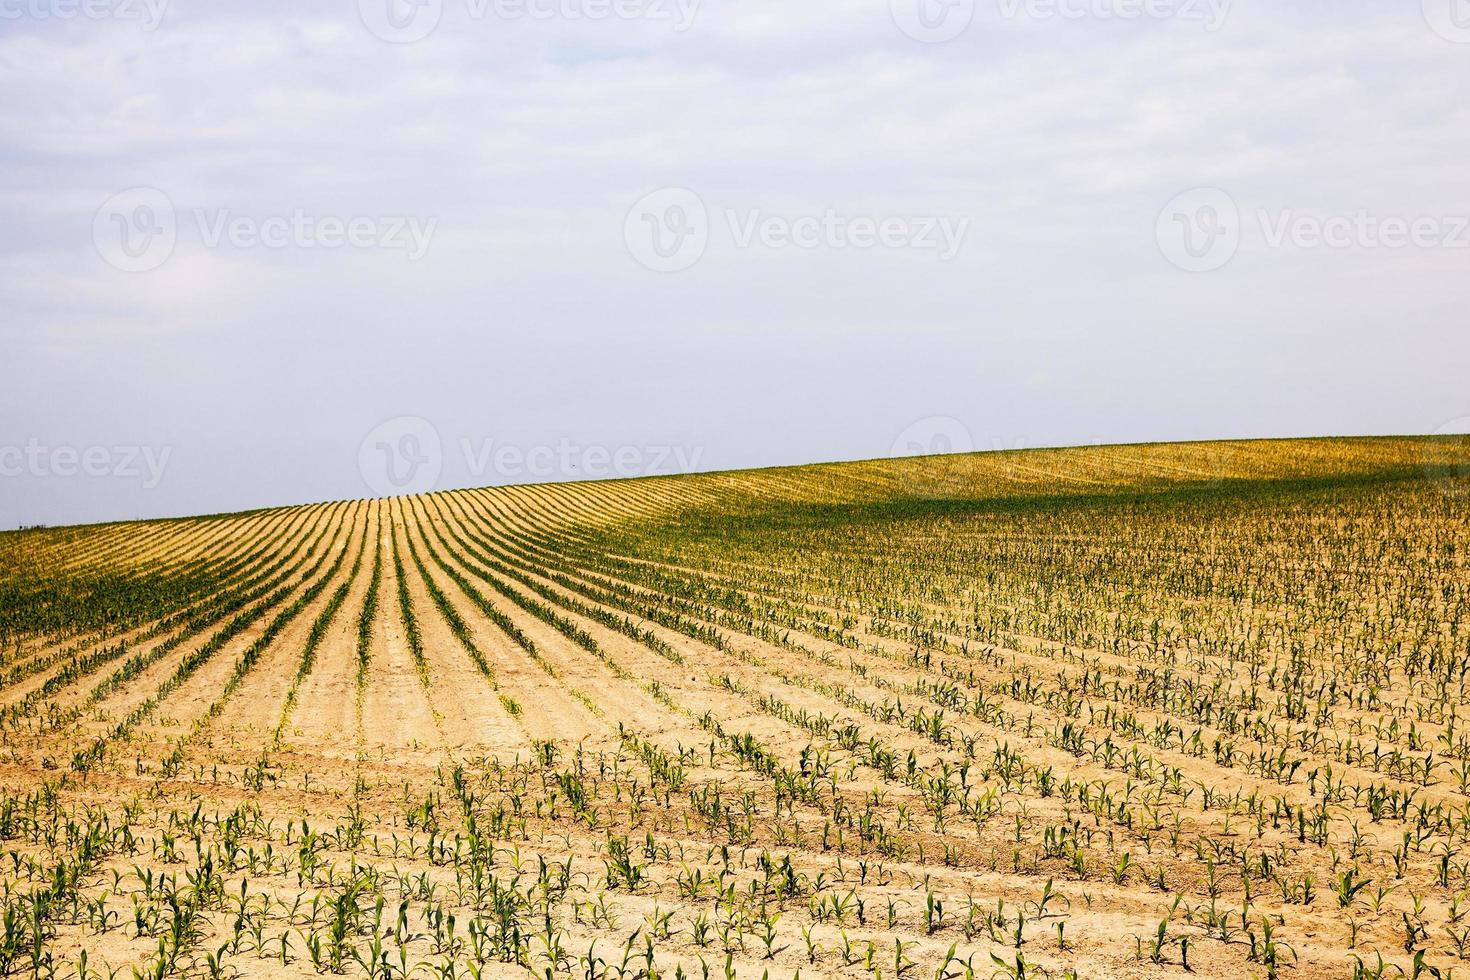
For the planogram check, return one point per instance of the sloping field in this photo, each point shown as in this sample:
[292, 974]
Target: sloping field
[1105, 712]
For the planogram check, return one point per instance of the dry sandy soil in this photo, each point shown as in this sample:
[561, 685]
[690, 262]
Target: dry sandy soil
[1111, 712]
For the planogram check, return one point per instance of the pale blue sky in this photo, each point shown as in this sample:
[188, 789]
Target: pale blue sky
[516, 148]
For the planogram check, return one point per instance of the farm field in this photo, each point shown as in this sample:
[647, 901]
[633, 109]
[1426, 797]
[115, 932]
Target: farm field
[1105, 712]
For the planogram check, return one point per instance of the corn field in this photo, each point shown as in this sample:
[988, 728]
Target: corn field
[1103, 712]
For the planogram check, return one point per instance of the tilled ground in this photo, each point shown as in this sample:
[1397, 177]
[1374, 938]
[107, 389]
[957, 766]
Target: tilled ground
[1100, 713]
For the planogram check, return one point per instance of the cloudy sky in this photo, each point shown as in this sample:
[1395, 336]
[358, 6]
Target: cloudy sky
[273, 252]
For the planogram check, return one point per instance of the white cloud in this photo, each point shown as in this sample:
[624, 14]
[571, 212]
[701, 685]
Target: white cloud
[528, 141]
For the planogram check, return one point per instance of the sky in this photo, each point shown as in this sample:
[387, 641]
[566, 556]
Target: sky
[279, 252]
